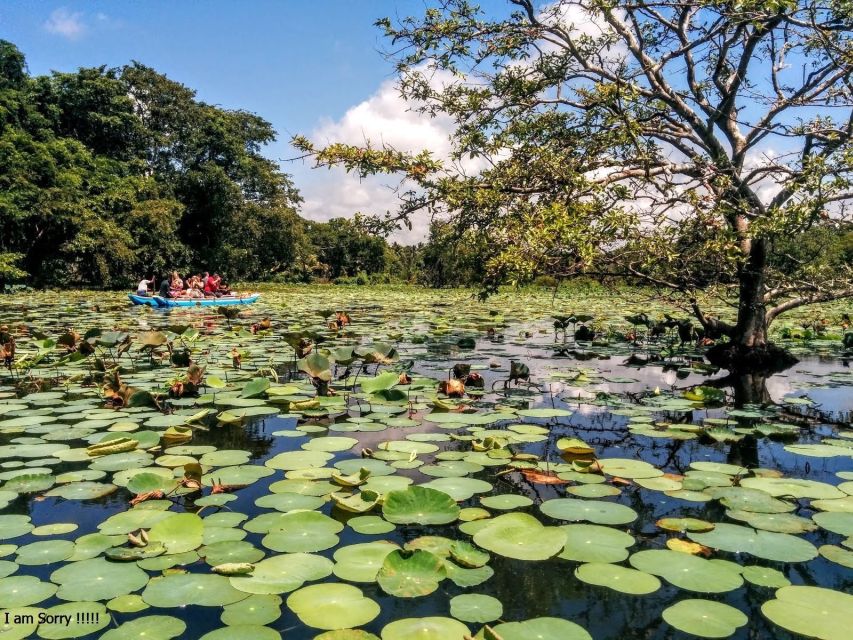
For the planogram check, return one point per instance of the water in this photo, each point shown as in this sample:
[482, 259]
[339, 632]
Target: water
[534, 589]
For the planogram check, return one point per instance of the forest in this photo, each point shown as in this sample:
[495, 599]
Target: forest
[108, 174]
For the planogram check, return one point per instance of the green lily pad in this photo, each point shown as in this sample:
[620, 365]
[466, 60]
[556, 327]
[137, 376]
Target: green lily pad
[182, 589]
[781, 547]
[361, 562]
[542, 629]
[411, 574]
[597, 511]
[22, 591]
[475, 607]
[506, 502]
[618, 578]
[835, 521]
[685, 571]
[45, 552]
[147, 628]
[283, 573]
[85, 618]
[705, 618]
[814, 612]
[764, 576]
[257, 609]
[520, 536]
[594, 543]
[332, 606]
[419, 505]
[182, 532]
[103, 579]
[302, 531]
[432, 628]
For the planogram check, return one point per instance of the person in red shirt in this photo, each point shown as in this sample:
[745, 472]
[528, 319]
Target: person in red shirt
[211, 287]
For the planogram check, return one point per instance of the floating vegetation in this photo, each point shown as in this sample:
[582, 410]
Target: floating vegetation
[324, 481]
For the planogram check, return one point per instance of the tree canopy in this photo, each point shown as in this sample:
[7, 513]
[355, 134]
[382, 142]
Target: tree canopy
[673, 143]
[108, 174]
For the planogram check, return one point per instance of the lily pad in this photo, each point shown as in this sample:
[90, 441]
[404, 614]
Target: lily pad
[419, 505]
[520, 536]
[411, 574]
[432, 628]
[618, 578]
[332, 606]
[814, 612]
[704, 618]
[475, 607]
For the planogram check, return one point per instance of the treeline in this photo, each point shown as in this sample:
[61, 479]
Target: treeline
[107, 174]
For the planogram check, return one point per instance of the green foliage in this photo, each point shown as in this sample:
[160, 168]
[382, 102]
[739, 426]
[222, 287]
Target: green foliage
[108, 174]
[610, 148]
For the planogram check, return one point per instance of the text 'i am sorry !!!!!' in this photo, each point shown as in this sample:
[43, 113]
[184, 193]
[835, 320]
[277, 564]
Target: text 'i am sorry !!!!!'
[44, 617]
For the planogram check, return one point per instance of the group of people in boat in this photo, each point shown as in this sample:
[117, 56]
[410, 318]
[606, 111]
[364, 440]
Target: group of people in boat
[193, 286]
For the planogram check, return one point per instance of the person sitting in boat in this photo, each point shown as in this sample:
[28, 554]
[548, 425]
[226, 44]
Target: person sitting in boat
[211, 288]
[142, 287]
[176, 289]
[224, 289]
[165, 287]
[194, 289]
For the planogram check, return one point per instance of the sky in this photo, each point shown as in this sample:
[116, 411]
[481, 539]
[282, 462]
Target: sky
[309, 67]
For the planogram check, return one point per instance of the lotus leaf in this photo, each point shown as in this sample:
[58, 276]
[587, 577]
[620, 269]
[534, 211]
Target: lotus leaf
[79, 625]
[411, 574]
[597, 511]
[618, 578]
[685, 571]
[370, 525]
[520, 536]
[835, 521]
[22, 591]
[476, 608]
[704, 618]
[302, 531]
[433, 628]
[815, 612]
[594, 543]
[332, 606]
[182, 589]
[283, 573]
[254, 610]
[781, 547]
[103, 579]
[419, 505]
[182, 532]
[46, 552]
[147, 628]
[764, 576]
[541, 629]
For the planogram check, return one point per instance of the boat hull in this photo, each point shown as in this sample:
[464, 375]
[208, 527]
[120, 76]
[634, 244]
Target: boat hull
[168, 303]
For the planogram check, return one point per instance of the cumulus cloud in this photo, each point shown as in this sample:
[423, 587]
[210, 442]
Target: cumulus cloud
[65, 23]
[385, 118]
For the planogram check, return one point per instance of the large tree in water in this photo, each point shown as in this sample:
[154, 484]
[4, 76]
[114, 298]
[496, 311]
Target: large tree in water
[669, 142]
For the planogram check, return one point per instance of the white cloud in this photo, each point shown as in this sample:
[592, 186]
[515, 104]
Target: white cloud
[385, 118]
[65, 23]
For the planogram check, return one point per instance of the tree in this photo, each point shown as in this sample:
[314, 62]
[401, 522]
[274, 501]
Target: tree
[345, 248]
[641, 139]
[107, 174]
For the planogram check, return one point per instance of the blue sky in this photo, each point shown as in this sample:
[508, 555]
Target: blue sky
[302, 65]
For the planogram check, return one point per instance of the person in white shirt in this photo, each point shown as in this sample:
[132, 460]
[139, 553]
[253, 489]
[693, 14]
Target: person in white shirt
[142, 287]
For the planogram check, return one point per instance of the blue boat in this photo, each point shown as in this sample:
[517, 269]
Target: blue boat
[165, 303]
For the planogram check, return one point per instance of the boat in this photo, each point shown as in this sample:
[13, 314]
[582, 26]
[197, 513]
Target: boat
[166, 303]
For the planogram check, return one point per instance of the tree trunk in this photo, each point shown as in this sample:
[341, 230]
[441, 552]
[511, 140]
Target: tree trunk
[751, 328]
[749, 350]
